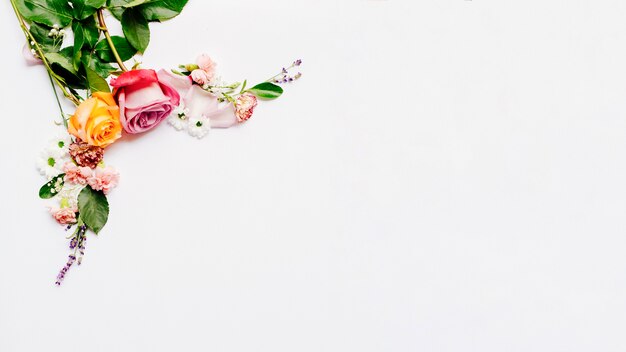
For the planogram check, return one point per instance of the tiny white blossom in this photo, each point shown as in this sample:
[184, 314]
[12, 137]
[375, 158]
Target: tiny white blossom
[179, 118]
[199, 126]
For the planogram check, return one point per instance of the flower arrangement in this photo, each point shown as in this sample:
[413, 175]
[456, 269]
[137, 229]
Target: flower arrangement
[111, 100]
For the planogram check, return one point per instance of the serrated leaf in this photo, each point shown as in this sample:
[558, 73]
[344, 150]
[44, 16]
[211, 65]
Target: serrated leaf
[45, 192]
[123, 47]
[95, 81]
[266, 90]
[93, 207]
[48, 12]
[136, 30]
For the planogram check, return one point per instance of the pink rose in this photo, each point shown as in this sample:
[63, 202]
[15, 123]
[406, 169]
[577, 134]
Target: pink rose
[76, 174]
[207, 65]
[64, 216]
[200, 77]
[143, 99]
[244, 106]
[104, 179]
[200, 102]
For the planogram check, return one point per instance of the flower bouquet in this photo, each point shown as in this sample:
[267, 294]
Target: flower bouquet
[114, 96]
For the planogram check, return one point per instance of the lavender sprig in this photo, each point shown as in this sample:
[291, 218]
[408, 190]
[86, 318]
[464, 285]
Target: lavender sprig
[284, 76]
[77, 243]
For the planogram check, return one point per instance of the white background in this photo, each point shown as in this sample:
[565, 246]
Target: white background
[448, 175]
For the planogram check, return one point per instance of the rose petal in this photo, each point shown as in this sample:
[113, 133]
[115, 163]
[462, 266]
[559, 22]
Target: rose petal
[181, 84]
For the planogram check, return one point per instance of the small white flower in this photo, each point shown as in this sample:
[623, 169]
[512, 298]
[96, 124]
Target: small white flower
[50, 165]
[179, 119]
[199, 127]
[60, 145]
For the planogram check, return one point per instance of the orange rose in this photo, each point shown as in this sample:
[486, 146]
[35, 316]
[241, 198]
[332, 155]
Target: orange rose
[97, 120]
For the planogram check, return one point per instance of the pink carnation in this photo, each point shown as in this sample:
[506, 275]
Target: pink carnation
[104, 179]
[76, 174]
[200, 77]
[64, 216]
[207, 65]
[244, 106]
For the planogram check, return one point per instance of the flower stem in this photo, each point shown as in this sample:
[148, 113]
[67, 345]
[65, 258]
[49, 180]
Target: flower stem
[29, 37]
[105, 30]
[58, 101]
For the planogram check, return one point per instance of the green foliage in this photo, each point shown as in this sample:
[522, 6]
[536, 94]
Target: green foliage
[86, 8]
[89, 29]
[161, 10]
[123, 47]
[48, 12]
[40, 33]
[136, 29]
[95, 81]
[93, 208]
[266, 90]
[79, 41]
[45, 192]
[152, 10]
[94, 63]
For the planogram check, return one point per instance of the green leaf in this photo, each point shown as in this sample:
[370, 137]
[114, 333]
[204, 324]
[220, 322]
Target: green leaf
[94, 63]
[123, 47]
[61, 60]
[79, 41]
[48, 12]
[93, 208]
[86, 8]
[45, 192]
[40, 33]
[136, 29]
[117, 7]
[91, 34]
[161, 10]
[95, 81]
[266, 90]
[62, 64]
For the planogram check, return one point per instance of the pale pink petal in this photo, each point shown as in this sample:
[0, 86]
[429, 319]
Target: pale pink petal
[180, 83]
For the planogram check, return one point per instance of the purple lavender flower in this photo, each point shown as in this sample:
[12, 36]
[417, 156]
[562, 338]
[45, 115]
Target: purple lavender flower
[70, 261]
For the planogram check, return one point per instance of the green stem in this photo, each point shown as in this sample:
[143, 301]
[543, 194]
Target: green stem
[58, 101]
[105, 30]
[42, 56]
